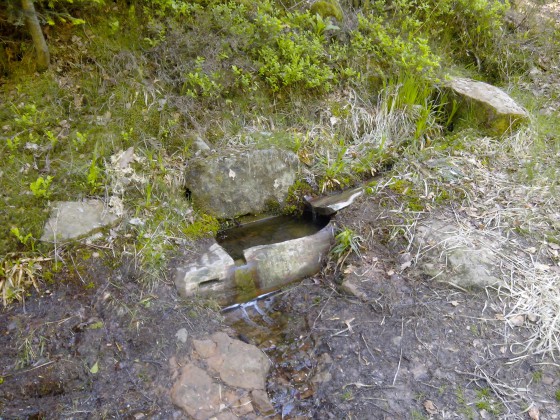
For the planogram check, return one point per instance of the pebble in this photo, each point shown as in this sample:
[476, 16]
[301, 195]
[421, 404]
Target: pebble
[182, 335]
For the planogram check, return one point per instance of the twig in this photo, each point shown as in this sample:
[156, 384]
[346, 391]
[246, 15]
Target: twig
[367, 346]
[28, 370]
[321, 311]
[400, 357]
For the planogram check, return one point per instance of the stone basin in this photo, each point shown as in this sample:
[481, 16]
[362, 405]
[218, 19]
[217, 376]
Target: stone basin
[262, 267]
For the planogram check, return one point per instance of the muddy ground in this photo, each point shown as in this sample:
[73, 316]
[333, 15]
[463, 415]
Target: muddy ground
[94, 344]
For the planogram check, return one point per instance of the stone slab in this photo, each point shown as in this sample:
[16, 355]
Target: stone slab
[75, 219]
[281, 263]
[209, 271]
[329, 205]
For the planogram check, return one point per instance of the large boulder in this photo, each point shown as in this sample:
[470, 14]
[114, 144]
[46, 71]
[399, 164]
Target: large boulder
[491, 106]
[235, 184]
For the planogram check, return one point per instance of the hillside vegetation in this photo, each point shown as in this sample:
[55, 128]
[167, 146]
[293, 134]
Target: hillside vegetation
[352, 87]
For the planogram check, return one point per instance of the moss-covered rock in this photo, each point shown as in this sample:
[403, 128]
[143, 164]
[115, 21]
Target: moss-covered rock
[327, 8]
[488, 105]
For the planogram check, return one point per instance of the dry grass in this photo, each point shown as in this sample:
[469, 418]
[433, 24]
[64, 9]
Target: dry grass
[18, 276]
[516, 219]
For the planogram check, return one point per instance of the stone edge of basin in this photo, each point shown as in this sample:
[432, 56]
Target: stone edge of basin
[329, 205]
[266, 268]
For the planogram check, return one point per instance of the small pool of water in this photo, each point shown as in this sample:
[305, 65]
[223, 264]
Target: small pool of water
[269, 231]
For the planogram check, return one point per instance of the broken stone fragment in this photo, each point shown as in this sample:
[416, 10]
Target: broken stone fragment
[239, 183]
[261, 402]
[206, 274]
[490, 105]
[284, 262]
[266, 268]
[196, 393]
[74, 219]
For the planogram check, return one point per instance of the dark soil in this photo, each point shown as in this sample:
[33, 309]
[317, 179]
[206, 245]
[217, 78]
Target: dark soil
[97, 345]
[101, 318]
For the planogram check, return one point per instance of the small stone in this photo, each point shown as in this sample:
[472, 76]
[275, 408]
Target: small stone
[420, 372]
[517, 321]
[321, 377]
[547, 380]
[243, 406]
[324, 358]
[262, 402]
[532, 317]
[351, 286]
[182, 335]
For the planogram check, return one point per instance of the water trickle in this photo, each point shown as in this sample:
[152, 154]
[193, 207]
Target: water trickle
[270, 323]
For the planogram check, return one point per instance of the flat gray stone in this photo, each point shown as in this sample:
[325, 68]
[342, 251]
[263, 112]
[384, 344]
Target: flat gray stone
[236, 184]
[491, 105]
[447, 255]
[74, 219]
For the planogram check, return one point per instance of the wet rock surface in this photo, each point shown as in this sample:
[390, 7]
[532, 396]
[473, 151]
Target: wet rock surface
[242, 370]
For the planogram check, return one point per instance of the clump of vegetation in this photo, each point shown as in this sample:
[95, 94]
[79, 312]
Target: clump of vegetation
[346, 242]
